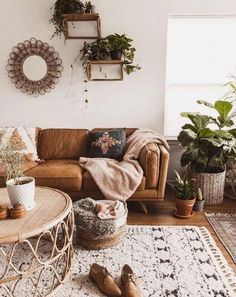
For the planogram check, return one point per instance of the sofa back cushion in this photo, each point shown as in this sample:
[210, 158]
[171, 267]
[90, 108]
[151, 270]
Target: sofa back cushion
[62, 143]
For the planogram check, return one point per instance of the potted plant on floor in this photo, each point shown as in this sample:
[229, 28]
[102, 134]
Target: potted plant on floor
[209, 143]
[20, 188]
[62, 7]
[120, 46]
[184, 196]
[200, 201]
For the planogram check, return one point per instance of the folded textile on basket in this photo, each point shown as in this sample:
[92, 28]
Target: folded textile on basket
[113, 211]
[119, 180]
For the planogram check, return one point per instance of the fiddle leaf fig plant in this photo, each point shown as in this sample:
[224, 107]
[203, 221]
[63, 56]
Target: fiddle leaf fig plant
[208, 141]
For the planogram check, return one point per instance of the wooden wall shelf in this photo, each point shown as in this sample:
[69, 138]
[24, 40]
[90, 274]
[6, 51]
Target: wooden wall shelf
[86, 17]
[100, 64]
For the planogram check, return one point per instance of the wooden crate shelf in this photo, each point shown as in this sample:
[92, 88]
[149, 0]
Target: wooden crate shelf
[90, 65]
[86, 17]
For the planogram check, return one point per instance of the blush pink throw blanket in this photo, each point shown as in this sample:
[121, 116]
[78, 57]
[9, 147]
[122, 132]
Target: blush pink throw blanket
[119, 180]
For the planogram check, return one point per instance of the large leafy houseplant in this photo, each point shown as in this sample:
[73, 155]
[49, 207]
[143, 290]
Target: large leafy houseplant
[121, 45]
[64, 7]
[209, 141]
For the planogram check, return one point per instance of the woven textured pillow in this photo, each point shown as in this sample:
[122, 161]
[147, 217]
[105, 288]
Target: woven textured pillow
[24, 138]
[107, 144]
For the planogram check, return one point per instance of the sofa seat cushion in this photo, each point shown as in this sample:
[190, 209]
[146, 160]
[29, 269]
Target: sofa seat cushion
[90, 185]
[59, 174]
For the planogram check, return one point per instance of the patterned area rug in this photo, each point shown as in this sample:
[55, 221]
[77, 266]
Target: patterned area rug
[169, 261]
[224, 225]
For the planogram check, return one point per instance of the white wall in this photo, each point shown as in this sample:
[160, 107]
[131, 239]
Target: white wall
[135, 102]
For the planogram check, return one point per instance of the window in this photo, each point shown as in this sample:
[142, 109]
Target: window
[201, 57]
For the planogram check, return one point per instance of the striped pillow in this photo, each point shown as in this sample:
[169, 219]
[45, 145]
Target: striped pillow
[24, 138]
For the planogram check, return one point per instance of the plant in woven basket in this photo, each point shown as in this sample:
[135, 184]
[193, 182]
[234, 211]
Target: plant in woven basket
[209, 143]
[64, 7]
[13, 161]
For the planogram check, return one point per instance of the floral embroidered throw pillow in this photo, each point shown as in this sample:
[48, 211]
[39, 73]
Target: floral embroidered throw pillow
[107, 144]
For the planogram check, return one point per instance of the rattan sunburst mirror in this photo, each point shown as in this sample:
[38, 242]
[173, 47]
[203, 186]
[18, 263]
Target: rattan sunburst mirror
[34, 67]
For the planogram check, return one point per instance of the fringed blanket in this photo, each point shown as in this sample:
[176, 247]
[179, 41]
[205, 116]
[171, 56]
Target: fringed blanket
[119, 180]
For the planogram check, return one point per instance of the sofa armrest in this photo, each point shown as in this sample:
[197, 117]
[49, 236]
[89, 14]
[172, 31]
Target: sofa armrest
[149, 160]
[154, 160]
[164, 163]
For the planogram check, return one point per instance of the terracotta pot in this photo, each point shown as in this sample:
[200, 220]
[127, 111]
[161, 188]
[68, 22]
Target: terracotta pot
[184, 207]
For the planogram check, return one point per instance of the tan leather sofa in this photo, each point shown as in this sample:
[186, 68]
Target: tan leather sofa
[60, 150]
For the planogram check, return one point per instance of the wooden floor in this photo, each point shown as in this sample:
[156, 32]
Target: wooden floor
[160, 213]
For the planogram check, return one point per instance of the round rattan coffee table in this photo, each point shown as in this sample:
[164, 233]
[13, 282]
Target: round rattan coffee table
[36, 251]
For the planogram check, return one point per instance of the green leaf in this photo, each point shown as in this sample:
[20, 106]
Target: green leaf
[199, 121]
[223, 108]
[233, 132]
[187, 157]
[215, 142]
[185, 137]
[189, 127]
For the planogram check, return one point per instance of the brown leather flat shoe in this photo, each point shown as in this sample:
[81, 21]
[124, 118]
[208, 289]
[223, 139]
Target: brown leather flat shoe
[129, 282]
[105, 282]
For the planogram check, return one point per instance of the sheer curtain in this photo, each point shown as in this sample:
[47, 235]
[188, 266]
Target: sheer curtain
[201, 57]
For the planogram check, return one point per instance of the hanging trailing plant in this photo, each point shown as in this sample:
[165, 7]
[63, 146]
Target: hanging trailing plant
[115, 46]
[64, 7]
[97, 50]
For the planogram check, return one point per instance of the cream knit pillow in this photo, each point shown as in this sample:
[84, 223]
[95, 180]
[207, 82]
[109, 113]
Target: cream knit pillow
[25, 138]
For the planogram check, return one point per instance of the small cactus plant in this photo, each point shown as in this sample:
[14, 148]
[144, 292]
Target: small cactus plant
[199, 195]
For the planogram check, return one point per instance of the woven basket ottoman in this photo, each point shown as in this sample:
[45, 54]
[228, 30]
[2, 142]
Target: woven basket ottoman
[95, 233]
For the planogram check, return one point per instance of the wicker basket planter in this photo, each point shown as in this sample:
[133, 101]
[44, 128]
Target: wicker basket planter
[211, 184]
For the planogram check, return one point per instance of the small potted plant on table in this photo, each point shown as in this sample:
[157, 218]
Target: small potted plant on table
[20, 188]
[184, 197]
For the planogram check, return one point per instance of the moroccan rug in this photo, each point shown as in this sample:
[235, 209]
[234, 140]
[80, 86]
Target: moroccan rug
[179, 261]
[224, 225]
[169, 261]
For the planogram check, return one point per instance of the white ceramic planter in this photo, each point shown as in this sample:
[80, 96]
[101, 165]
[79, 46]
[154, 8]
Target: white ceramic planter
[24, 194]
